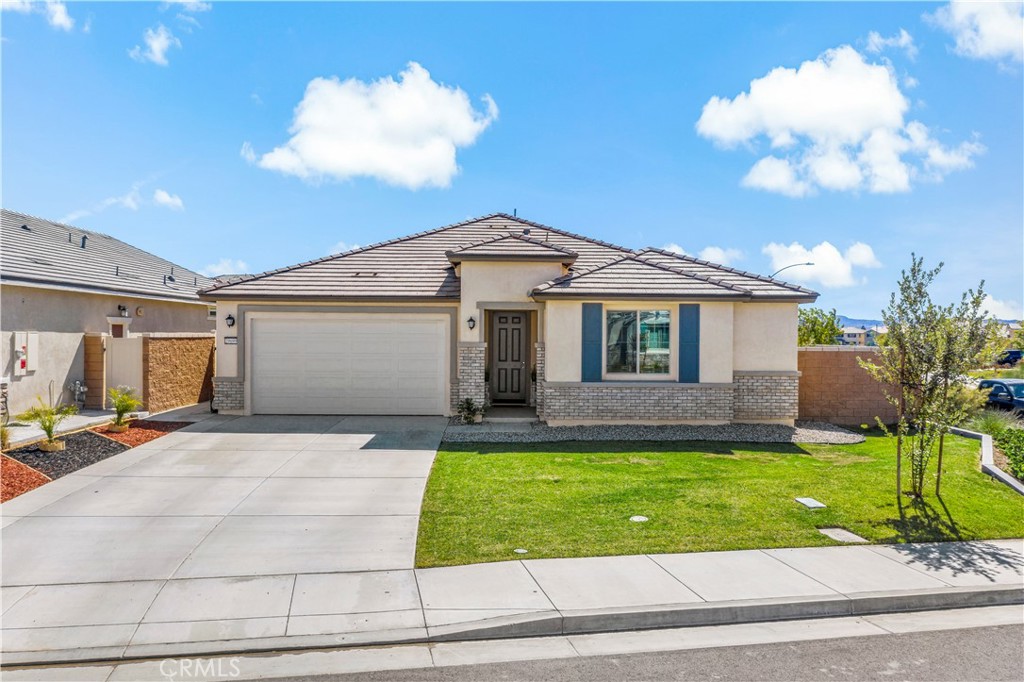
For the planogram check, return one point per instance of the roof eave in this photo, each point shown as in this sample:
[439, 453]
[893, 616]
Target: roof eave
[240, 296]
[455, 257]
[589, 296]
[106, 291]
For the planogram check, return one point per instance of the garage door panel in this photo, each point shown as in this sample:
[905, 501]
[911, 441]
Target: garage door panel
[349, 365]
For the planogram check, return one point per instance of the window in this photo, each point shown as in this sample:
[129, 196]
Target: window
[638, 341]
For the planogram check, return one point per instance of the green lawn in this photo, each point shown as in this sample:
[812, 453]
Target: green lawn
[575, 499]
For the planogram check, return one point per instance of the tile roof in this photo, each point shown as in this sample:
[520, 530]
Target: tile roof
[760, 287]
[418, 267]
[413, 267]
[43, 252]
[633, 277]
[512, 247]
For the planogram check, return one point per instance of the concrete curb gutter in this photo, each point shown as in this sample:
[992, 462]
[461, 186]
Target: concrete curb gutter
[988, 463]
[556, 623]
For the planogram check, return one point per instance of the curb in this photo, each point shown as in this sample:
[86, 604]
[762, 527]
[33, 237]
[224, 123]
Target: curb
[988, 463]
[555, 623]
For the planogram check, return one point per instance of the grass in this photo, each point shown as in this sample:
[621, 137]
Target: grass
[999, 373]
[575, 499]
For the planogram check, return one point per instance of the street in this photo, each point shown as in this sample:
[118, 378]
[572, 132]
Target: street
[993, 653]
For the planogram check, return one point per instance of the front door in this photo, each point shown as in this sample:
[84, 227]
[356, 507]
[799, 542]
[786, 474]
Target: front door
[510, 379]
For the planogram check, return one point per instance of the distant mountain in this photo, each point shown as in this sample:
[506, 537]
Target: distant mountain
[845, 321]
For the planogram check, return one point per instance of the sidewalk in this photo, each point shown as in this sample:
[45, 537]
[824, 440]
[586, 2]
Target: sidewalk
[28, 433]
[187, 617]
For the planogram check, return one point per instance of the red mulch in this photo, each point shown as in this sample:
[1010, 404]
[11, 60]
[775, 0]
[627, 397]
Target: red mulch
[17, 478]
[141, 431]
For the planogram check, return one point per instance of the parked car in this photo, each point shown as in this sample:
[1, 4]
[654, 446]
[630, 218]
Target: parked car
[1007, 394]
[1010, 357]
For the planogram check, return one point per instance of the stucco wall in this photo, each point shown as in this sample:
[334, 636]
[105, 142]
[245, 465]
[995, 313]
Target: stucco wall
[835, 388]
[61, 318]
[716, 341]
[563, 342]
[497, 281]
[764, 336]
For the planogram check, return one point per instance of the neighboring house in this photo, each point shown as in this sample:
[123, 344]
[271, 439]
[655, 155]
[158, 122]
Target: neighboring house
[59, 282]
[853, 336]
[507, 310]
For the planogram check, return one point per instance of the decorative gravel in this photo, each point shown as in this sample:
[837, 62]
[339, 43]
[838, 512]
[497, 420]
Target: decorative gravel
[82, 449]
[804, 432]
[141, 431]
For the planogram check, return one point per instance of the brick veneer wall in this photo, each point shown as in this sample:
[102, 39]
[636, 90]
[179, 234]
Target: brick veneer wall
[765, 396]
[472, 361]
[835, 388]
[176, 371]
[95, 372]
[636, 402]
[228, 393]
[539, 365]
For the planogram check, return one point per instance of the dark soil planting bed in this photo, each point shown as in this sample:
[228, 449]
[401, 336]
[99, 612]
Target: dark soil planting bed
[82, 449]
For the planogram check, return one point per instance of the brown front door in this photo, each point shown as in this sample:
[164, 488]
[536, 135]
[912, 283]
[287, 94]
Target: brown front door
[510, 379]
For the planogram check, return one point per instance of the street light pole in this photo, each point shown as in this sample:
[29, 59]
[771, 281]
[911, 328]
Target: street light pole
[772, 276]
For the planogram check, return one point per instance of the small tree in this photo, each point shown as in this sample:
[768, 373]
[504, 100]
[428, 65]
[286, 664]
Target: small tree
[48, 417]
[815, 326]
[123, 400]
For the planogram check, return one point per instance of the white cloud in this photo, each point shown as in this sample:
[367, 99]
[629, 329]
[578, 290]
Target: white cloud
[343, 246]
[831, 268]
[983, 30]
[158, 41]
[171, 201]
[837, 123]
[1003, 310]
[247, 152]
[58, 17]
[187, 5]
[403, 132]
[225, 266]
[902, 40]
[715, 254]
[56, 12]
[131, 200]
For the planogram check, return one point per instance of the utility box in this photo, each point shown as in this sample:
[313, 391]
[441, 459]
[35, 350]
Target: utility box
[26, 353]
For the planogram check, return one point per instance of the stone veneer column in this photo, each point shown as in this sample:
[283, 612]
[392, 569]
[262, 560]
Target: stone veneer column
[472, 360]
[766, 396]
[539, 367]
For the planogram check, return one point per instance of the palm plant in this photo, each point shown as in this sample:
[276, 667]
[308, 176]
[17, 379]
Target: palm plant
[48, 418]
[123, 400]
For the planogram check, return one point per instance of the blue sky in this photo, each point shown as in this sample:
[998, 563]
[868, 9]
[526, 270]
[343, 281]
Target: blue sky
[596, 118]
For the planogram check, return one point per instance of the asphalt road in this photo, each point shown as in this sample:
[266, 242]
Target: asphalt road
[977, 654]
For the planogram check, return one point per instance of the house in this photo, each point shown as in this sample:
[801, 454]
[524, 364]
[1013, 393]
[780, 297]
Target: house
[853, 336]
[59, 283]
[508, 311]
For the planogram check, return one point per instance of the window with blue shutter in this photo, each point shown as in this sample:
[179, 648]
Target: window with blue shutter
[689, 343]
[592, 342]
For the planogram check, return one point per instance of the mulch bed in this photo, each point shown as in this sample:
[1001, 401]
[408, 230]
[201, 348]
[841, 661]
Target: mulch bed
[142, 431]
[17, 478]
[83, 448]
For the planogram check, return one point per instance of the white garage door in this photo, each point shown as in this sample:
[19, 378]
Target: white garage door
[349, 364]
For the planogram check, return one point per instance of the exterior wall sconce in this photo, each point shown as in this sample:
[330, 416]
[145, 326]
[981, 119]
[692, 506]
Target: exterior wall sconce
[230, 320]
[122, 311]
[471, 322]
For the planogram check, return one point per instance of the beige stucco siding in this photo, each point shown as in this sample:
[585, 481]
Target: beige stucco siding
[765, 337]
[61, 318]
[716, 341]
[497, 282]
[563, 342]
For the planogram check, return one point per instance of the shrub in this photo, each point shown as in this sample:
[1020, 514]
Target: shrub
[1011, 442]
[48, 417]
[123, 400]
[994, 422]
[468, 409]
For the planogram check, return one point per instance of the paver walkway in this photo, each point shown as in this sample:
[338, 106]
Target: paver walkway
[249, 534]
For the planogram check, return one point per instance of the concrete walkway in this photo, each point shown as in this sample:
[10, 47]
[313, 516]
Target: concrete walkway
[267, 533]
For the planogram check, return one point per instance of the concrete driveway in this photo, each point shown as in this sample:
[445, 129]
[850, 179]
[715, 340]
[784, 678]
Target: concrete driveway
[231, 510]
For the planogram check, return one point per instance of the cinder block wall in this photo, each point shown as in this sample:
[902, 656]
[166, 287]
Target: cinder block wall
[835, 388]
[177, 370]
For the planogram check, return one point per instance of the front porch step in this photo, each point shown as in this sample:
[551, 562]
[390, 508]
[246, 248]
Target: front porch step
[510, 420]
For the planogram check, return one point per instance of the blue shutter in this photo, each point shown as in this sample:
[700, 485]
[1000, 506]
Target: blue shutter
[592, 337]
[689, 343]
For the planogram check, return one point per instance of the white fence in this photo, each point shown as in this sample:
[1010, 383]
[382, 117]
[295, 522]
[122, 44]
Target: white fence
[124, 363]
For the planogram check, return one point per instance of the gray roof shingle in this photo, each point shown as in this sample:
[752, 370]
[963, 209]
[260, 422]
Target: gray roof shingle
[512, 247]
[417, 267]
[43, 252]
